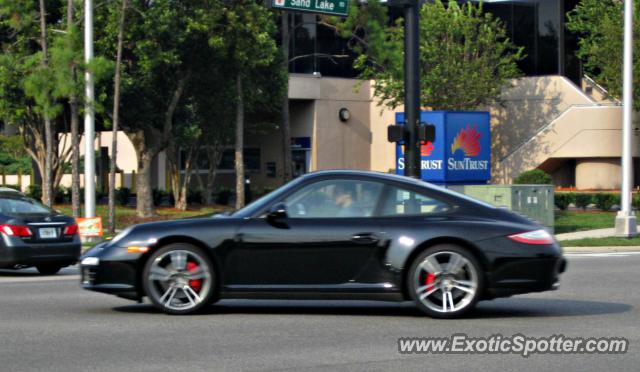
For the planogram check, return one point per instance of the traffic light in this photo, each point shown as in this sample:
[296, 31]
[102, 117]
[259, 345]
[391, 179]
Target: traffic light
[426, 133]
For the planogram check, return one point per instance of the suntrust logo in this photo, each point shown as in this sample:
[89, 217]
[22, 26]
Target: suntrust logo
[468, 141]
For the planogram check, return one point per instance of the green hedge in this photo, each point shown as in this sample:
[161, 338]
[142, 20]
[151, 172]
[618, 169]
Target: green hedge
[533, 177]
[603, 201]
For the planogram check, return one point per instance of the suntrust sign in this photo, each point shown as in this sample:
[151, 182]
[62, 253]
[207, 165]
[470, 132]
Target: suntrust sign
[461, 152]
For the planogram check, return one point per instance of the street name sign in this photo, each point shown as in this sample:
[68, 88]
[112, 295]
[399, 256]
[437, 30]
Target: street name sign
[332, 7]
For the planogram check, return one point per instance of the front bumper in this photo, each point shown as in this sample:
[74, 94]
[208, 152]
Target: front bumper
[110, 273]
[14, 251]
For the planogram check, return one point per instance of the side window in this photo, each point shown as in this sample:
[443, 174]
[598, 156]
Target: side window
[400, 202]
[334, 199]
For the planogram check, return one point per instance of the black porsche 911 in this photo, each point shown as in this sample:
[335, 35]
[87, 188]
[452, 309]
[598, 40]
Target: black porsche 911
[35, 235]
[334, 235]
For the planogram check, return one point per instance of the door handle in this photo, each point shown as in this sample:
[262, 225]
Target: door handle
[365, 238]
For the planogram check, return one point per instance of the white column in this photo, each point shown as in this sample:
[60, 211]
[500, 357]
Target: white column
[89, 117]
[625, 220]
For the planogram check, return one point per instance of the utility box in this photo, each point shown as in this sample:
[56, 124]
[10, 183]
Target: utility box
[533, 201]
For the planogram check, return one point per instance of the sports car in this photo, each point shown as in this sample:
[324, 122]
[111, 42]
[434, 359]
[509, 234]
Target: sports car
[334, 235]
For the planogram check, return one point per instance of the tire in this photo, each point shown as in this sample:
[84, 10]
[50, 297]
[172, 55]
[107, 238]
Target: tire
[48, 269]
[445, 281]
[179, 279]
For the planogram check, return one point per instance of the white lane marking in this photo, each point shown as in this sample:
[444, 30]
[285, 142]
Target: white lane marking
[5, 280]
[603, 254]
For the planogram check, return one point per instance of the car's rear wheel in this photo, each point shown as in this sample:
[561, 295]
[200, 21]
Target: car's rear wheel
[48, 269]
[445, 281]
[179, 279]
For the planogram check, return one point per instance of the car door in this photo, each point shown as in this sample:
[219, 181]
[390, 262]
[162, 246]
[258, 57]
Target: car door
[327, 237]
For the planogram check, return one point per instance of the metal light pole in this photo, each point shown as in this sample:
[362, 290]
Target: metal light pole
[89, 117]
[626, 220]
[412, 89]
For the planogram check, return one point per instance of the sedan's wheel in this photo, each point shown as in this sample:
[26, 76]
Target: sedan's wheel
[445, 281]
[48, 269]
[179, 279]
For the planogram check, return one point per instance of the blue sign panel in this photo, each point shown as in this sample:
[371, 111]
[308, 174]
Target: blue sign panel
[461, 152]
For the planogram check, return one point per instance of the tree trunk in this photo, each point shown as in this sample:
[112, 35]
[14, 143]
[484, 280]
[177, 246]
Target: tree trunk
[144, 191]
[286, 119]
[116, 118]
[75, 139]
[47, 179]
[214, 154]
[239, 160]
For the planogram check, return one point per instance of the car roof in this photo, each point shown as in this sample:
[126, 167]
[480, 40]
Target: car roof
[8, 190]
[369, 174]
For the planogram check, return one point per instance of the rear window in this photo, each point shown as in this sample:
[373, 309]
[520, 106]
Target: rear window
[17, 206]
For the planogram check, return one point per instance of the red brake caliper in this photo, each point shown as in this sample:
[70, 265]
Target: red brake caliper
[195, 284]
[430, 279]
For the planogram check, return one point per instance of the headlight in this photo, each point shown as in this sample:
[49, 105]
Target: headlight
[90, 261]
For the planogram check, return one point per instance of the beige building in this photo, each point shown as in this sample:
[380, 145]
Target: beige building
[544, 122]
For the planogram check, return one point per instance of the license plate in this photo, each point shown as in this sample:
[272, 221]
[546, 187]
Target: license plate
[48, 233]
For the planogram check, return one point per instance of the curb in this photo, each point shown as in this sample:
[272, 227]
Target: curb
[612, 249]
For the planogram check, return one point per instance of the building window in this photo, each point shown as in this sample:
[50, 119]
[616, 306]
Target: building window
[251, 160]
[227, 162]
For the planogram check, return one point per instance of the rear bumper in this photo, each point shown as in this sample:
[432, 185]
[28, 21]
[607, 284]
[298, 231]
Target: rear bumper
[13, 251]
[524, 275]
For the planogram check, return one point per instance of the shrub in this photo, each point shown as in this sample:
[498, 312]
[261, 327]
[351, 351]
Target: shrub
[15, 187]
[158, 196]
[122, 196]
[60, 195]
[635, 201]
[533, 177]
[194, 196]
[604, 201]
[224, 196]
[34, 191]
[582, 200]
[563, 199]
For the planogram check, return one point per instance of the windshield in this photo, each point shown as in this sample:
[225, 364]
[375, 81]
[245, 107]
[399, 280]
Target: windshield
[22, 205]
[257, 205]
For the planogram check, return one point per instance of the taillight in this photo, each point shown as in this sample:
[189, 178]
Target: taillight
[537, 237]
[15, 230]
[70, 229]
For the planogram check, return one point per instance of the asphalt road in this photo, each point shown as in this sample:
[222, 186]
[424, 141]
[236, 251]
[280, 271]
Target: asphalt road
[50, 324]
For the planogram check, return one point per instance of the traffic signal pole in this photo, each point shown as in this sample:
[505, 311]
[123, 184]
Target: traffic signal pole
[412, 89]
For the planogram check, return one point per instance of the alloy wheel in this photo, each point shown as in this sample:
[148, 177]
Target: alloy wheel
[445, 282]
[179, 280]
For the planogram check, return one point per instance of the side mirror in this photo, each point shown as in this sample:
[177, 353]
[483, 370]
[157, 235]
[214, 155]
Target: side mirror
[277, 212]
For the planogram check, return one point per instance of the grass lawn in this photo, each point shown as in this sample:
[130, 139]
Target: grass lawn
[601, 242]
[570, 221]
[126, 216]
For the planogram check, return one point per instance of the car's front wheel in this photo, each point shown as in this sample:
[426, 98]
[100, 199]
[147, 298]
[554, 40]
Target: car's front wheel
[179, 279]
[445, 281]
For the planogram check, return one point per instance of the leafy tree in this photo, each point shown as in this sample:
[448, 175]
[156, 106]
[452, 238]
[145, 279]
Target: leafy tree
[157, 67]
[600, 26]
[116, 120]
[247, 29]
[13, 157]
[465, 55]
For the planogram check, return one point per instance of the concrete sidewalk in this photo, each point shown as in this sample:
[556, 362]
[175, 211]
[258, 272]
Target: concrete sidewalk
[598, 233]
[620, 249]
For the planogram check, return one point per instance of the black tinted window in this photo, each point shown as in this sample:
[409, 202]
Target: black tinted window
[334, 199]
[22, 206]
[401, 202]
